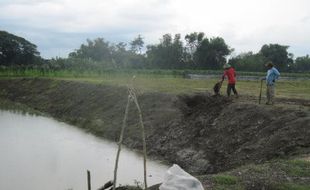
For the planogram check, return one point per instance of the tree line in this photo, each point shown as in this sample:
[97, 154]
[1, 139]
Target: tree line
[194, 51]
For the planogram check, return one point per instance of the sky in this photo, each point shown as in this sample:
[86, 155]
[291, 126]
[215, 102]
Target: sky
[58, 27]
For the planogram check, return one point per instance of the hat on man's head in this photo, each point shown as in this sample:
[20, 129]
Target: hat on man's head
[226, 66]
[269, 64]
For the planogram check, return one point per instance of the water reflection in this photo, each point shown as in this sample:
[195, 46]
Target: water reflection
[41, 153]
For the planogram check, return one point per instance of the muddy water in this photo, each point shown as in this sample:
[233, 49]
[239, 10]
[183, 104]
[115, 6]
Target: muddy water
[40, 153]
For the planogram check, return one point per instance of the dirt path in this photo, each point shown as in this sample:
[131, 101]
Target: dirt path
[200, 132]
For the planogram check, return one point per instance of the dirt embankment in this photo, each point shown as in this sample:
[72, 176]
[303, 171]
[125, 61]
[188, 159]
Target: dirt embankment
[200, 132]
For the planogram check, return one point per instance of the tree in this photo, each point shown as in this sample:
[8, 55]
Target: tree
[211, 53]
[107, 54]
[96, 50]
[178, 52]
[120, 55]
[248, 62]
[168, 54]
[124, 58]
[137, 44]
[302, 64]
[278, 55]
[15, 50]
[193, 41]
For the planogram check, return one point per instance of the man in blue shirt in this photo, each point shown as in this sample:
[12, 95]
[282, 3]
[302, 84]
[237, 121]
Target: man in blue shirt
[272, 75]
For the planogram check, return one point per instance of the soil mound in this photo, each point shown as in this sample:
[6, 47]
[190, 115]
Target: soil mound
[221, 134]
[200, 132]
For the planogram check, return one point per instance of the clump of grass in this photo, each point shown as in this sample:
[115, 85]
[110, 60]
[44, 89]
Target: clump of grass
[225, 179]
[291, 186]
[276, 174]
[296, 168]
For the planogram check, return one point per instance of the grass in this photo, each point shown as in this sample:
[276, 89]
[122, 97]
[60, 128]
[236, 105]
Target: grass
[279, 174]
[170, 81]
[296, 168]
[17, 107]
[225, 179]
[175, 84]
[290, 186]
[82, 72]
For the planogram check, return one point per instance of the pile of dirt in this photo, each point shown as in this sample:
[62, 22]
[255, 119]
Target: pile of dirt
[200, 132]
[243, 133]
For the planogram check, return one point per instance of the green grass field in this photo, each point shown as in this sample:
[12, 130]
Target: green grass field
[176, 85]
[171, 82]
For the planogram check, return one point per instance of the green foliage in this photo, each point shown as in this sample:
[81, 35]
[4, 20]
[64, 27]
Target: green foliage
[248, 62]
[273, 52]
[275, 174]
[205, 53]
[193, 41]
[137, 44]
[16, 51]
[211, 53]
[199, 52]
[301, 64]
[278, 55]
[97, 50]
[225, 179]
[127, 187]
[168, 54]
[297, 168]
[291, 186]
[98, 55]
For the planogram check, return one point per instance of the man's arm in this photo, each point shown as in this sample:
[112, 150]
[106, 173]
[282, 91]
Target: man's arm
[223, 77]
[276, 72]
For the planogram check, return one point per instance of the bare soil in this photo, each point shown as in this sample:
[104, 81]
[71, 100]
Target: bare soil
[200, 132]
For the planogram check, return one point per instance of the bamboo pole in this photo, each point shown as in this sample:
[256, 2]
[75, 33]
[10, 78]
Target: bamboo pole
[131, 97]
[142, 133]
[121, 140]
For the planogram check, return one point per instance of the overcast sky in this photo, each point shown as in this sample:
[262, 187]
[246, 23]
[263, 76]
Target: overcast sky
[58, 27]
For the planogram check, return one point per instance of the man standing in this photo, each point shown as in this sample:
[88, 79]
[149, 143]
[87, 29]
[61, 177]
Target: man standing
[231, 75]
[272, 75]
